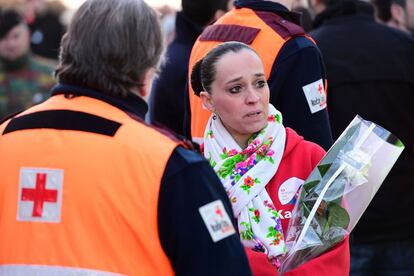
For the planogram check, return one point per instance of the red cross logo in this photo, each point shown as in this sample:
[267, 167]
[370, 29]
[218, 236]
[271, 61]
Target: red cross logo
[219, 212]
[320, 89]
[39, 195]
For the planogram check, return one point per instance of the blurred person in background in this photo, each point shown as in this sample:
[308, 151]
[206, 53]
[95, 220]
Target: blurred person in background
[87, 188]
[25, 79]
[44, 18]
[293, 65]
[168, 92]
[302, 7]
[396, 13]
[167, 18]
[370, 69]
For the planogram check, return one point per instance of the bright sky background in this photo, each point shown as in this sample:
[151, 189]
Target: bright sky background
[73, 4]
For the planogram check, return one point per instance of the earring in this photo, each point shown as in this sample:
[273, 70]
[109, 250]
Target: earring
[214, 116]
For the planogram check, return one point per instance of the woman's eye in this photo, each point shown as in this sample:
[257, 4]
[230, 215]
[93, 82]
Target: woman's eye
[235, 89]
[261, 83]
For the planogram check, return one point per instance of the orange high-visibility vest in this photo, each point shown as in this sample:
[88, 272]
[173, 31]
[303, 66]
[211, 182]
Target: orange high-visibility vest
[242, 25]
[82, 198]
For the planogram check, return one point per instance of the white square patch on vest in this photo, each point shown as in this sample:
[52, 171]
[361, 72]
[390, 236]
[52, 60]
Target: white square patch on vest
[315, 95]
[40, 195]
[217, 220]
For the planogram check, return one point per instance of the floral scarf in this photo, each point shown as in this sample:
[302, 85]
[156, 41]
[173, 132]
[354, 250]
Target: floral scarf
[244, 174]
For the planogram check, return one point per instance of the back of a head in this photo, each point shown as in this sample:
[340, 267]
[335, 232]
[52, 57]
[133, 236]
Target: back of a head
[203, 11]
[110, 45]
[383, 8]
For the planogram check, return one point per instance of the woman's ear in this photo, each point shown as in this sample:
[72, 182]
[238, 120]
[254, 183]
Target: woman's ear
[207, 101]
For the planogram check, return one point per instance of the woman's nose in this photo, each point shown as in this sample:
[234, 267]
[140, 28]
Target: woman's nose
[252, 96]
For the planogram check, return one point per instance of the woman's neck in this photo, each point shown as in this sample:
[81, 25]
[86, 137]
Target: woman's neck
[241, 140]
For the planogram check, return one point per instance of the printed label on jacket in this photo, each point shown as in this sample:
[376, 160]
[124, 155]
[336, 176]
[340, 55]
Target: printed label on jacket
[315, 95]
[217, 220]
[288, 191]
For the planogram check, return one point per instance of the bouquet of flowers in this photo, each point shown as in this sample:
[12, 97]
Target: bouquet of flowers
[339, 189]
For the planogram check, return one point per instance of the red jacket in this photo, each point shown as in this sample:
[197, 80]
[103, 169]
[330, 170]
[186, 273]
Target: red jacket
[299, 159]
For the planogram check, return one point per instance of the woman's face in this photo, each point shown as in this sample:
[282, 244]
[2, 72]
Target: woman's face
[239, 94]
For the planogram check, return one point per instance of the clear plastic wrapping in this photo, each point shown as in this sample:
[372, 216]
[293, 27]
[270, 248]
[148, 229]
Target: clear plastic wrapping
[339, 189]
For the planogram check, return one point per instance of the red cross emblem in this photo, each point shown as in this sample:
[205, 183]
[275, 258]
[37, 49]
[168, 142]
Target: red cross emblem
[218, 211]
[320, 89]
[40, 194]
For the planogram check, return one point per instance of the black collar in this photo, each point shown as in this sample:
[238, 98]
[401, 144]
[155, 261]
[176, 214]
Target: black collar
[274, 7]
[131, 104]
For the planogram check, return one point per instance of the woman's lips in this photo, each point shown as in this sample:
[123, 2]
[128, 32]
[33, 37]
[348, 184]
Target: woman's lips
[253, 114]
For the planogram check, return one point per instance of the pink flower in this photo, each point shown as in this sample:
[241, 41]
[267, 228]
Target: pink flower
[250, 161]
[232, 152]
[269, 205]
[241, 165]
[270, 153]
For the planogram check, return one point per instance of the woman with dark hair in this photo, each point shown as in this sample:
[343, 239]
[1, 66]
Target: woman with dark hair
[261, 163]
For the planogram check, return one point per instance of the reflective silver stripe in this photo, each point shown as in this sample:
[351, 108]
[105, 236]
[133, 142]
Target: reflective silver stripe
[45, 270]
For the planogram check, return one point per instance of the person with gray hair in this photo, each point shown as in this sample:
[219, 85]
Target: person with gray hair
[87, 188]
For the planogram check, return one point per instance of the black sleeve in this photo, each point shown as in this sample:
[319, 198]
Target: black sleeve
[298, 64]
[188, 184]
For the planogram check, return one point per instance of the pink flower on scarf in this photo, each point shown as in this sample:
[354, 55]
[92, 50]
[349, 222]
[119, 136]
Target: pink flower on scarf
[241, 165]
[252, 146]
[251, 159]
[271, 118]
[232, 152]
[269, 205]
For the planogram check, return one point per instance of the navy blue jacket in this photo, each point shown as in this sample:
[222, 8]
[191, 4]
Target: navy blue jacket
[169, 89]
